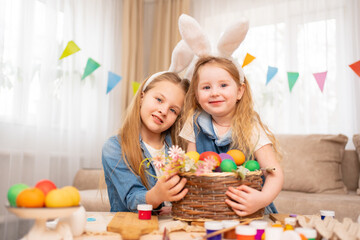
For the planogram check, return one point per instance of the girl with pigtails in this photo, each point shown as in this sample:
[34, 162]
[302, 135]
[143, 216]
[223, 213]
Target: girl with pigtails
[151, 125]
[219, 114]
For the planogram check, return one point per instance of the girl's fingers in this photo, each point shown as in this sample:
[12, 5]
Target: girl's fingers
[171, 182]
[179, 196]
[235, 197]
[239, 193]
[178, 187]
[235, 205]
[240, 213]
[244, 188]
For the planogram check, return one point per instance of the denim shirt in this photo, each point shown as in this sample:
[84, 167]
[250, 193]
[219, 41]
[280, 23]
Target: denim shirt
[206, 140]
[125, 189]
[205, 137]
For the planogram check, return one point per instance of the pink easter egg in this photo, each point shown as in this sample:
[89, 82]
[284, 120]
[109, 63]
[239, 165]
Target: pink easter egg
[226, 156]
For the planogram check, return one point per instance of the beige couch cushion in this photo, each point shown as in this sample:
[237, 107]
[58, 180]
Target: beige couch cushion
[344, 205]
[356, 141]
[311, 163]
[95, 200]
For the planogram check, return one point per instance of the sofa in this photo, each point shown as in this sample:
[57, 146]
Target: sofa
[319, 174]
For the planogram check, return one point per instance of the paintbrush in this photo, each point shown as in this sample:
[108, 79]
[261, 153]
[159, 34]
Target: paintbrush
[245, 222]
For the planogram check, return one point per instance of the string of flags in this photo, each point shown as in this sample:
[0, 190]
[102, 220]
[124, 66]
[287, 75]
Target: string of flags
[91, 66]
[114, 79]
[320, 77]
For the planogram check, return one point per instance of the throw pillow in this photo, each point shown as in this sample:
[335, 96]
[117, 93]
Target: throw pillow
[356, 141]
[312, 163]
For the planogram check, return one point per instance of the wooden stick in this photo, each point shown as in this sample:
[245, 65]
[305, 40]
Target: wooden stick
[247, 221]
[268, 169]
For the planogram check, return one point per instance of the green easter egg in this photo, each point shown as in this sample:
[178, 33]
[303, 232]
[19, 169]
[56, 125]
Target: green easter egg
[227, 165]
[14, 191]
[252, 165]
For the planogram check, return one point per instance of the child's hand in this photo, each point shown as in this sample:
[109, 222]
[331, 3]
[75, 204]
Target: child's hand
[168, 188]
[245, 200]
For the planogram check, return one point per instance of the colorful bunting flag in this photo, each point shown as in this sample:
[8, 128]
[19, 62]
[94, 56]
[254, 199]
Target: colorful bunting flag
[356, 67]
[320, 79]
[271, 73]
[91, 66]
[71, 48]
[292, 78]
[135, 86]
[248, 59]
[113, 80]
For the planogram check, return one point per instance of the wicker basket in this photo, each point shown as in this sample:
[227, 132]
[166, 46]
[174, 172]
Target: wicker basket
[205, 200]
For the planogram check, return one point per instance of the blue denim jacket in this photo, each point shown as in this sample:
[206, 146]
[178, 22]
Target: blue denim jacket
[125, 189]
[206, 140]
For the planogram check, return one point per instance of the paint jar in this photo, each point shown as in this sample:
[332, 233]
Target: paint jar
[144, 211]
[245, 233]
[213, 226]
[273, 233]
[290, 223]
[327, 213]
[290, 235]
[227, 224]
[260, 226]
[309, 233]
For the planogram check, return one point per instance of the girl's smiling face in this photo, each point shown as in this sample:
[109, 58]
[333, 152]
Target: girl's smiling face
[160, 106]
[217, 92]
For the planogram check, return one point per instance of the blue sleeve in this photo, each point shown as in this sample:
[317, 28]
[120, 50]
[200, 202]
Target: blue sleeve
[125, 189]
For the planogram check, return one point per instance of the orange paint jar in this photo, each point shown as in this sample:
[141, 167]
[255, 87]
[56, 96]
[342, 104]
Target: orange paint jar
[245, 233]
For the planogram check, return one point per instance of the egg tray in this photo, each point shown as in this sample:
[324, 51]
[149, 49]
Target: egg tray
[205, 200]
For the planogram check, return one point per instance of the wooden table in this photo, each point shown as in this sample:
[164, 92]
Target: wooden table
[96, 229]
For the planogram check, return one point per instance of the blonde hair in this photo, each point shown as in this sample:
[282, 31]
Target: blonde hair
[245, 119]
[130, 131]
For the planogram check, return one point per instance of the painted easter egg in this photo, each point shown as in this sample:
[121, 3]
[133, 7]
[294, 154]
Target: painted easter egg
[227, 165]
[208, 154]
[252, 165]
[226, 156]
[14, 191]
[238, 156]
[193, 155]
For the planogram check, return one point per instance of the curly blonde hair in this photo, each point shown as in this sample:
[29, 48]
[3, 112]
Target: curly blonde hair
[245, 119]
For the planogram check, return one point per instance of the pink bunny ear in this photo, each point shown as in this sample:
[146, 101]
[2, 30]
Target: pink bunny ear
[181, 57]
[232, 38]
[193, 35]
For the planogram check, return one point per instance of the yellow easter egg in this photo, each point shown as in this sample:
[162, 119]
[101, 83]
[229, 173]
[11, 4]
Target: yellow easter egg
[193, 155]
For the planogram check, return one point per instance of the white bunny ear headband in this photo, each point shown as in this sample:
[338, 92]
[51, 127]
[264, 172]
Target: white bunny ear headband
[194, 36]
[180, 59]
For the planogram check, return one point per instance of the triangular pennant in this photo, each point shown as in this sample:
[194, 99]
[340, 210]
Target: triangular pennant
[135, 86]
[271, 73]
[356, 67]
[113, 80]
[320, 79]
[248, 59]
[91, 66]
[71, 48]
[292, 78]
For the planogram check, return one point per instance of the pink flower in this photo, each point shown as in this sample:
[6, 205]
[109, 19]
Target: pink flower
[159, 161]
[175, 152]
[211, 162]
[203, 167]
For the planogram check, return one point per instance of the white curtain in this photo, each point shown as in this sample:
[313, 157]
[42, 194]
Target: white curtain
[303, 36]
[51, 122]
